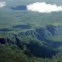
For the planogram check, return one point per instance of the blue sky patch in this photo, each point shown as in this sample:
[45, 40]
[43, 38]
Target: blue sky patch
[19, 8]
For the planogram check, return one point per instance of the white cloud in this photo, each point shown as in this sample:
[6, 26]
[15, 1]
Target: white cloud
[44, 7]
[2, 4]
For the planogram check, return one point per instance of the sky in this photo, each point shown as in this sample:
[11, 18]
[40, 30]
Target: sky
[2, 4]
[42, 7]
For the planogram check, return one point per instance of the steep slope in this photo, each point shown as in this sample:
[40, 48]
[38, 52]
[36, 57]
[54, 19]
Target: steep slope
[39, 42]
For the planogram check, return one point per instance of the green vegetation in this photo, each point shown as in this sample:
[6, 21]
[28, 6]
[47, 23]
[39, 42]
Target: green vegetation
[11, 52]
[15, 40]
[15, 54]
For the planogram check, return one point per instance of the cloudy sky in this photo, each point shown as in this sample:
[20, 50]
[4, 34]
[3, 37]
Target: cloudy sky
[42, 7]
[2, 4]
